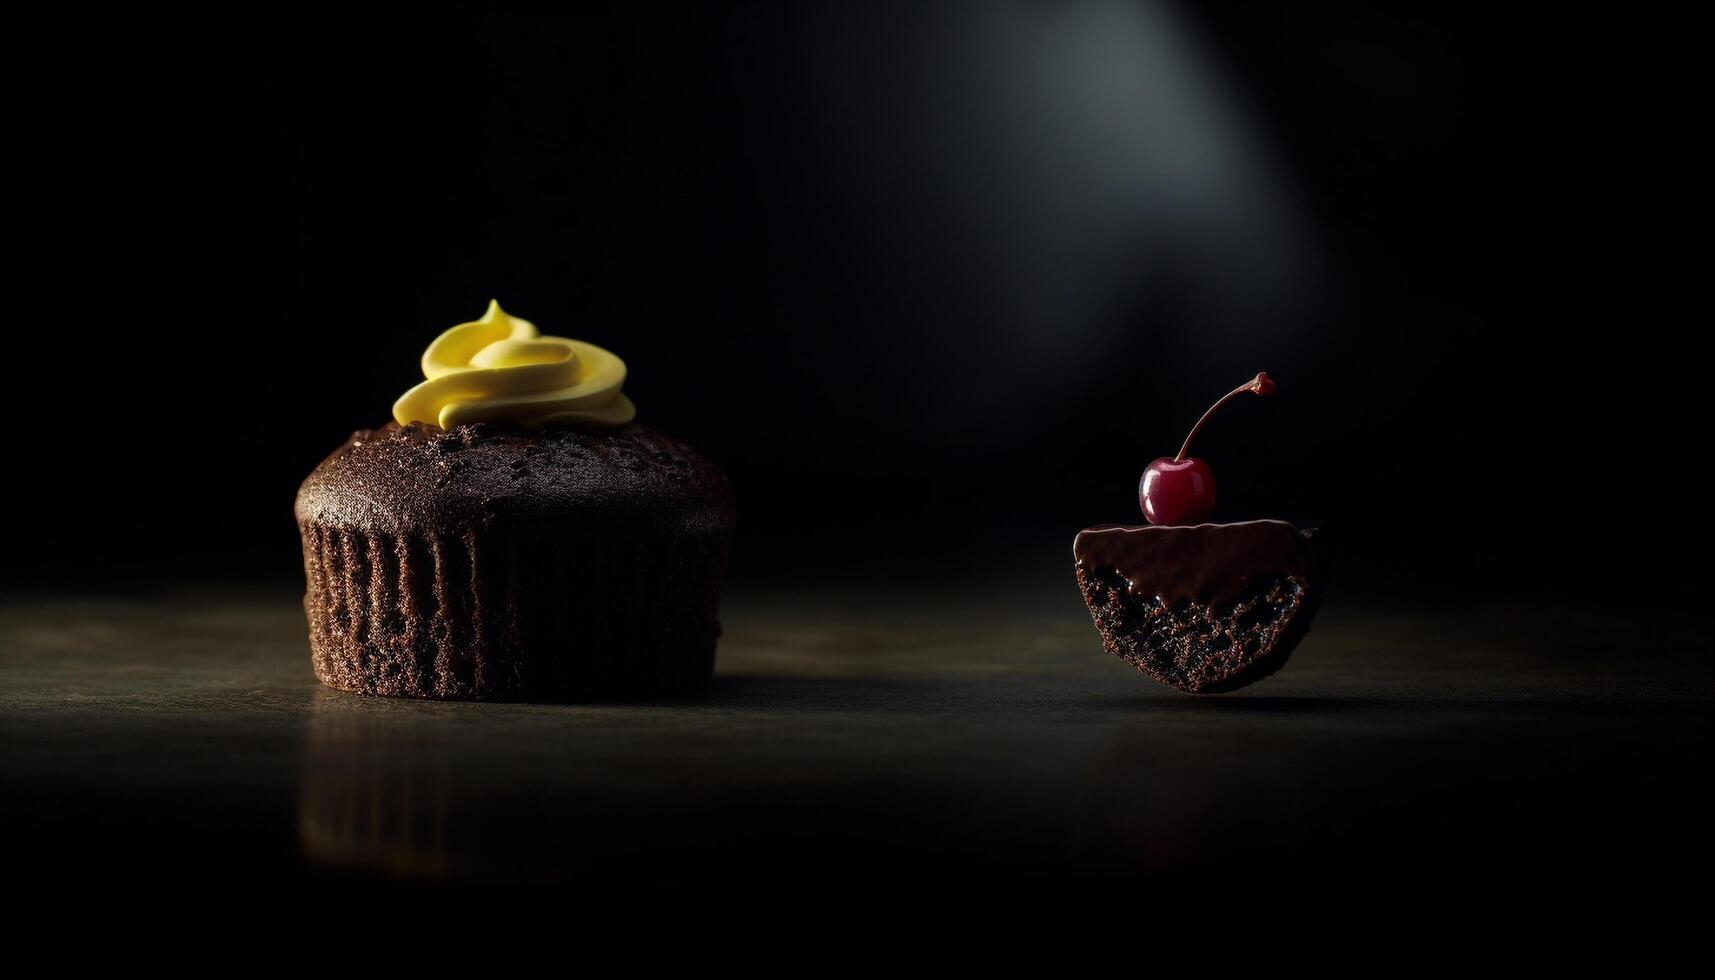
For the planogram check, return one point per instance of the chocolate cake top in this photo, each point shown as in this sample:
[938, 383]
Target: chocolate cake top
[399, 479]
[1201, 562]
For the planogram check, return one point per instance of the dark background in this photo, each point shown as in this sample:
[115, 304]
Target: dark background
[933, 283]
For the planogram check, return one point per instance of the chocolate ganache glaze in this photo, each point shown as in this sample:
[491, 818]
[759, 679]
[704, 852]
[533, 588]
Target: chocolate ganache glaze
[1202, 608]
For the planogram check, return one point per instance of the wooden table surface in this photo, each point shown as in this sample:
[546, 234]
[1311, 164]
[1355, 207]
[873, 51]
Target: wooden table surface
[969, 738]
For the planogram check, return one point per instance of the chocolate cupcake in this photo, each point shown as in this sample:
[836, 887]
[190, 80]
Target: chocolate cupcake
[1201, 607]
[513, 534]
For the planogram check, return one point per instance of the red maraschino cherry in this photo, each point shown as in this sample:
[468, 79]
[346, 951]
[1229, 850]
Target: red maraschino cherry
[1181, 490]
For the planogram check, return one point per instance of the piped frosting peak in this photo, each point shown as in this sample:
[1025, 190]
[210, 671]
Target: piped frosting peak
[500, 368]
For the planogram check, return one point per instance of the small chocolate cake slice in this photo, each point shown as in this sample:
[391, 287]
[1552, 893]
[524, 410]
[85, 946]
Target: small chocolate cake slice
[1203, 608]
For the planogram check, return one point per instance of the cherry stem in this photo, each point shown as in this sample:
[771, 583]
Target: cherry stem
[1259, 384]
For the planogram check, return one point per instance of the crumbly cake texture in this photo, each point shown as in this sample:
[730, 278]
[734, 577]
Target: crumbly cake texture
[495, 563]
[1203, 609]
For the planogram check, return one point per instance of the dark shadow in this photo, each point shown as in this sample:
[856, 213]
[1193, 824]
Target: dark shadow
[1551, 706]
[763, 692]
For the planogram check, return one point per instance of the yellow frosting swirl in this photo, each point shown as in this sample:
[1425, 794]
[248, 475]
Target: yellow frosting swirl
[501, 369]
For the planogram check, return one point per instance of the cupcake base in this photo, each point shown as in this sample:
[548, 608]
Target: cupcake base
[480, 616]
[499, 565]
